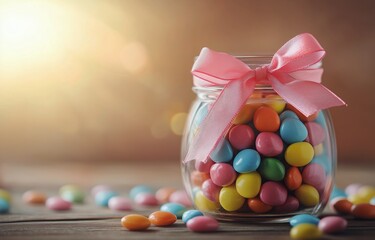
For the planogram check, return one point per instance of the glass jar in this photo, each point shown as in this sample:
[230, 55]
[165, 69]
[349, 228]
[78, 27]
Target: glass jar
[272, 163]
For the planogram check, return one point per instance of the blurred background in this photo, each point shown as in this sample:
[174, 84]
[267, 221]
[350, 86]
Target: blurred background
[109, 81]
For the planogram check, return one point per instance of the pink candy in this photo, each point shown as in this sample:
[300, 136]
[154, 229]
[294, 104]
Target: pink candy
[291, 204]
[58, 204]
[146, 199]
[241, 137]
[202, 224]
[202, 166]
[210, 190]
[332, 224]
[223, 174]
[269, 144]
[273, 193]
[316, 133]
[120, 204]
[180, 197]
[314, 175]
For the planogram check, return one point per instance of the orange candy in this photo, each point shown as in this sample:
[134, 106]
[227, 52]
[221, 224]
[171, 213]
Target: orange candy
[364, 211]
[199, 177]
[162, 218]
[162, 194]
[33, 197]
[135, 222]
[257, 206]
[266, 119]
[301, 116]
[343, 206]
[293, 178]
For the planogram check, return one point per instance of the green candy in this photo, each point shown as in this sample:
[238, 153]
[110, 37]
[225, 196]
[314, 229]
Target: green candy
[272, 169]
[72, 193]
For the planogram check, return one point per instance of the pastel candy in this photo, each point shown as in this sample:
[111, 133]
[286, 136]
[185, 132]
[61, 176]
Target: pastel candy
[58, 204]
[299, 154]
[307, 195]
[102, 198]
[269, 144]
[266, 119]
[230, 199]
[162, 219]
[198, 177]
[223, 152]
[203, 203]
[180, 197]
[120, 204]
[222, 174]
[135, 222]
[314, 175]
[352, 188]
[140, 189]
[34, 197]
[72, 193]
[175, 208]
[293, 130]
[305, 231]
[163, 194]
[272, 169]
[204, 166]
[291, 204]
[146, 199]
[293, 178]
[241, 137]
[273, 193]
[247, 160]
[5, 195]
[303, 218]
[190, 214]
[248, 184]
[202, 224]
[316, 134]
[211, 190]
[332, 224]
[4, 206]
[288, 114]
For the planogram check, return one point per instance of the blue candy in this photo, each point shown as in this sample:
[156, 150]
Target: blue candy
[222, 153]
[293, 130]
[372, 201]
[4, 206]
[189, 214]
[102, 198]
[288, 114]
[247, 160]
[321, 120]
[303, 218]
[140, 189]
[175, 208]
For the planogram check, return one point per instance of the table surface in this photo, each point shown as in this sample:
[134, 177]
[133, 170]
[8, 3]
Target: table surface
[87, 221]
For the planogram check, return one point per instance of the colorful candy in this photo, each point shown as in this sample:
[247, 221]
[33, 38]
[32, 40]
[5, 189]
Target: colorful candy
[223, 174]
[5, 195]
[146, 199]
[34, 197]
[269, 144]
[139, 189]
[190, 214]
[163, 194]
[58, 204]
[303, 218]
[266, 119]
[247, 160]
[211, 190]
[364, 211]
[273, 193]
[4, 206]
[230, 199]
[241, 137]
[174, 208]
[162, 218]
[248, 184]
[180, 197]
[307, 195]
[299, 154]
[293, 178]
[316, 133]
[120, 204]
[222, 153]
[72, 193]
[204, 204]
[135, 222]
[202, 224]
[102, 198]
[341, 205]
[293, 130]
[272, 169]
[100, 188]
[305, 231]
[291, 204]
[257, 206]
[332, 224]
[314, 175]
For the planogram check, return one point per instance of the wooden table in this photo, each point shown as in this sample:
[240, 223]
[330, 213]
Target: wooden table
[88, 221]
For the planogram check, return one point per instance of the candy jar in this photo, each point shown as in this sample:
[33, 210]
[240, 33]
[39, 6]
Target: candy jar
[273, 157]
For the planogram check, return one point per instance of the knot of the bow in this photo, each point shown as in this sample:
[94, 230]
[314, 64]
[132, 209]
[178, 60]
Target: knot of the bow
[261, 74]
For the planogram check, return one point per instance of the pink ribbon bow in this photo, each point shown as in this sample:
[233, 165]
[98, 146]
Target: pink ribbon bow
[291, 74]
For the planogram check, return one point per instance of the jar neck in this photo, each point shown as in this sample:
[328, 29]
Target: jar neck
[211, 92]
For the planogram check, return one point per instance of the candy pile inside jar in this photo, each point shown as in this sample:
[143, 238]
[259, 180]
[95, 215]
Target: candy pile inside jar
[273, 160]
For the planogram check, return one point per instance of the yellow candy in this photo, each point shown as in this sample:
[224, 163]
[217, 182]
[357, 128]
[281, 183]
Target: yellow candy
[307, 195]
[5, 195]
[305, 231]
[246, 113]
[366, 192]
[358, 199]
[248, 184]
[299, 154]
[318, 149]
[204, 204]
[278, 104]
[229, 198]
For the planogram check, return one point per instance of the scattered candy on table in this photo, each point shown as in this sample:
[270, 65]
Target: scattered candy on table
[4, 206]
[34, 197]
[120, 203]
[135, 222]
[58, 204]
[202, 224]
[332, 224]
[175, 208]
[146, 199]
[72, 193]
[190, 214]
[162, 218]
[305, 231]
[102, 198]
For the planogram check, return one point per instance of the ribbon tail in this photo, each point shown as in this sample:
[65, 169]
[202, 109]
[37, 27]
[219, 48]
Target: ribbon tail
[218, 121]
[307, 96]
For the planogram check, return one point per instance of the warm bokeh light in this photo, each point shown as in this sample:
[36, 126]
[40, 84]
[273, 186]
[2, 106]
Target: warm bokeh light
[178, 123]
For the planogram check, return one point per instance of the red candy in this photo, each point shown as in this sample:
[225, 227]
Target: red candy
[241, 137]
